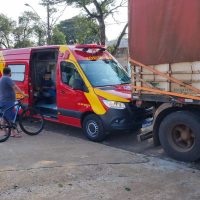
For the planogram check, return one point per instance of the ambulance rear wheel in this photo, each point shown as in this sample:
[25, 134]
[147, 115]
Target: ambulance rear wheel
[93, 128]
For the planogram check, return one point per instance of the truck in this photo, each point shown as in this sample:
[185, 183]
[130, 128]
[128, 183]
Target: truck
[165, 62]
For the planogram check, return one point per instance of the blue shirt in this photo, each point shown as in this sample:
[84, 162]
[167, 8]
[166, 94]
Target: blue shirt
[7, 93]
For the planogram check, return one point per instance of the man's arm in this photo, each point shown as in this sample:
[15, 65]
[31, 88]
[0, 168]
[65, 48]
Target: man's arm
[17, 89]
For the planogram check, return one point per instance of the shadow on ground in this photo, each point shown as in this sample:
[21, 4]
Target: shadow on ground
[121, 140]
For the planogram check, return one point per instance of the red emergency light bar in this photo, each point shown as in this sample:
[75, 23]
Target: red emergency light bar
[90, 46]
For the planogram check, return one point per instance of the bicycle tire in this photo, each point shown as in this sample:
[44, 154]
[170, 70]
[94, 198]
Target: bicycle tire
[5, 136]
[28, 119]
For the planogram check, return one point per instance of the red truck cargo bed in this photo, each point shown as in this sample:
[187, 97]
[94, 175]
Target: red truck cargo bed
[164, 31]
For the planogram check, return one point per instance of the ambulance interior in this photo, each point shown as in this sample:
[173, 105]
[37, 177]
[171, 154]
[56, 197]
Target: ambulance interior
[43, 80]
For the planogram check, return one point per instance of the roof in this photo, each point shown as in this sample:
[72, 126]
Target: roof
[23, 53]
[123, 43]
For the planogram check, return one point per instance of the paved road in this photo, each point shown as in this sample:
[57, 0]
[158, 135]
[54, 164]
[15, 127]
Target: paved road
[126, 141]
[60, 164]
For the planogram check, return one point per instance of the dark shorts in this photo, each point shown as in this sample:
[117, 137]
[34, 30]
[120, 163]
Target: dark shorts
[9, 114]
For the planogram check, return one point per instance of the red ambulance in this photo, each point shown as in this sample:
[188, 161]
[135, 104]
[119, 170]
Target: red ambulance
[81, 85]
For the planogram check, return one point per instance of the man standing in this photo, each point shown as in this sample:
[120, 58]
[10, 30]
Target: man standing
[7, 95]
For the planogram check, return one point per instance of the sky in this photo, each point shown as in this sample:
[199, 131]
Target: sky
[13, 9]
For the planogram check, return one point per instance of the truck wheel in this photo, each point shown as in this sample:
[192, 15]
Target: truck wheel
[93, 128]
[179, 135]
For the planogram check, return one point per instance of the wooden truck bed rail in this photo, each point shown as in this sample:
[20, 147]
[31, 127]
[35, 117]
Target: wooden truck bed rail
[139, 91]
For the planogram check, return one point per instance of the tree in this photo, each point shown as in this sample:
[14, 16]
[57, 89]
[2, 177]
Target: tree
[6, 28]
[114, 50]
[80, 29]
[99, 10]
[29, 30]
[25, 29]
[23, 43]
[52, 18]
[58, 37]
[40, 34]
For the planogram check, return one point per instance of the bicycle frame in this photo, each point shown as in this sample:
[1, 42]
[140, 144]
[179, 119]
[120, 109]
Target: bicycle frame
[18, 105]
[32, 113]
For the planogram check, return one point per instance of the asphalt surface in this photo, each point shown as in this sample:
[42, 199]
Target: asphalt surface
[122, 140]
[61, 164]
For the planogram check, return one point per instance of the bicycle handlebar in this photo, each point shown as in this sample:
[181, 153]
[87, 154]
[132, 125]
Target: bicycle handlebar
[22, 99]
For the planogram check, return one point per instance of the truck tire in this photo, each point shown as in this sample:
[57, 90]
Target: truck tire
[179, 135]
[93, 128]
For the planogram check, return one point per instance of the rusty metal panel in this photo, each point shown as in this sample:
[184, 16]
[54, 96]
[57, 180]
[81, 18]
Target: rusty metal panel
[164, 31]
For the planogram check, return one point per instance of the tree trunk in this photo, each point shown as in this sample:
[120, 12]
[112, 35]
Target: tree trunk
[102, 30]
[119, 40]
[7, 41]
[48, 25]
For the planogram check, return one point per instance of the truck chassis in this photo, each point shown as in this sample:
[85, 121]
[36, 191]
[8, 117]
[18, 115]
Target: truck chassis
[176, 116]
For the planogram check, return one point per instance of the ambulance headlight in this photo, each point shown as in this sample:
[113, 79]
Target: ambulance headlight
[114, 104]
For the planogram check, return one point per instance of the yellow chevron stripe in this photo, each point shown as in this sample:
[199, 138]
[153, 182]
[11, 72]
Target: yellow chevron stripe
[2, 62]
[92, 98]
[109, 96]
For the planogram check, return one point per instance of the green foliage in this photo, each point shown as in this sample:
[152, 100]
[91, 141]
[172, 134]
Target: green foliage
[30, 30]
[95, 8]
[6, 28]
[79, 30]
[40, 34]
[52, 6]
[87, 30]
[67, 27]
[79, 3]
[25, 29]
[50, 2]
[23, 43]
[5, 24]
[28, 18]
[54, 11]
[58, 37]
[99, 10]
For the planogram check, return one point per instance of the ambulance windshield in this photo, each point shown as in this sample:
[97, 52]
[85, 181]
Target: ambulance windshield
[104, 72]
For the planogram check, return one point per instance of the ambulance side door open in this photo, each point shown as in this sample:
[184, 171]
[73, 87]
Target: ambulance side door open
[69, 100]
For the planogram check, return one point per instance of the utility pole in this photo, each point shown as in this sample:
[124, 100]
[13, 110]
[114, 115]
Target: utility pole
[48, 25]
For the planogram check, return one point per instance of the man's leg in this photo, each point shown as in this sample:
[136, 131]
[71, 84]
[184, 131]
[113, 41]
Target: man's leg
[10, 115]
[3, 122]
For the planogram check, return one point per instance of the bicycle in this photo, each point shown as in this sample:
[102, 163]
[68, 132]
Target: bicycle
[31, 121]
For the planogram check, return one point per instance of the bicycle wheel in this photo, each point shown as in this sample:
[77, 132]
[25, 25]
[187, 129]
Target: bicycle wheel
[5, 129]
[31, 121]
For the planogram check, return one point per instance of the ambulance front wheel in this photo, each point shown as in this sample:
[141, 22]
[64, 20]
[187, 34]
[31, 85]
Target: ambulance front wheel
[93, 128]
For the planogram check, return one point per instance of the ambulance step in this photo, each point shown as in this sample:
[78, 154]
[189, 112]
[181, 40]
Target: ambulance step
[50, 112]
[50, 116]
